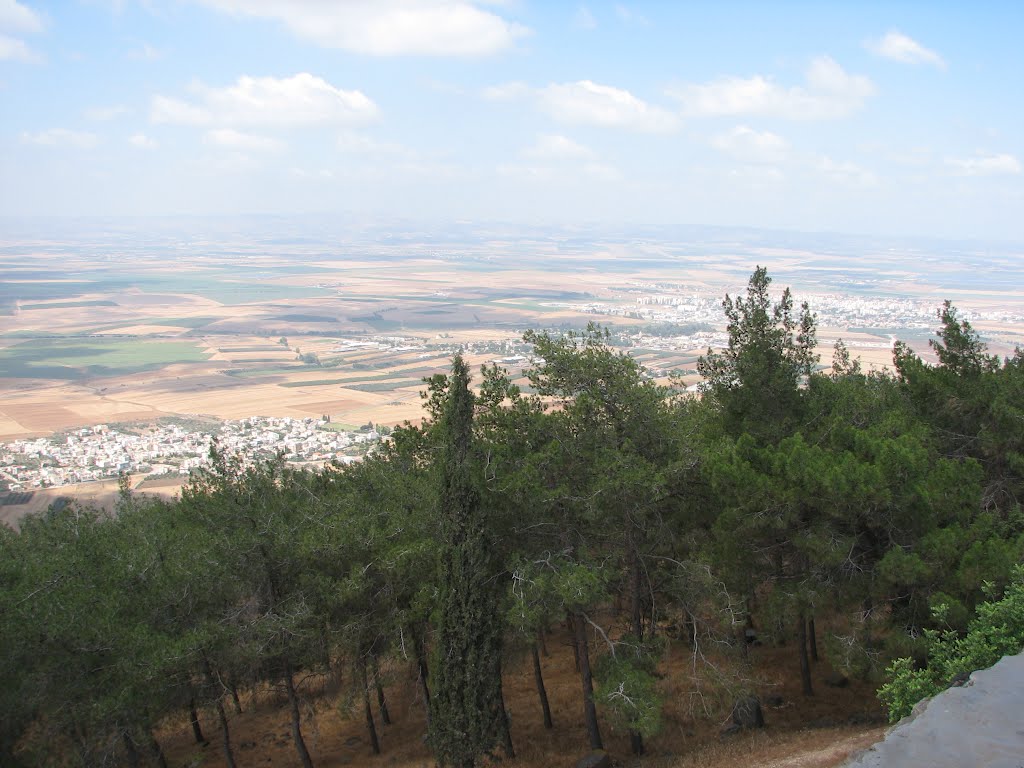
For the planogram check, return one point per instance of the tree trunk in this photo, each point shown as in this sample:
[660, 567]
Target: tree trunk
[235, 699]
[635, 596]
[812, 636]
[197, 730]
[382, 704]
[636, 742]
[587, 683]
[571, 621]
[421, 670]
[805, 665]
[538, 677]
[82, 743]
[229, 756]
[293, 703]
[506, 729]
[690, 628]
[542, 642]
[156, 751]
[869, 611]
[370, 727]
[131, 752]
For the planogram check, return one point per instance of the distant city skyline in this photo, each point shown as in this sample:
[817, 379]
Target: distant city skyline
[872, 118]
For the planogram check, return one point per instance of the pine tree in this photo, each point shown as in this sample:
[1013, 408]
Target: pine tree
[467, 717]
[756, 379]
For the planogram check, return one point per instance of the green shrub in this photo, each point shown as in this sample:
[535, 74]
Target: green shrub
[997, 630]
[627, 686]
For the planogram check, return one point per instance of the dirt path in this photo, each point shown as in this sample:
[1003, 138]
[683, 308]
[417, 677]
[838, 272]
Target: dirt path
[831, 755]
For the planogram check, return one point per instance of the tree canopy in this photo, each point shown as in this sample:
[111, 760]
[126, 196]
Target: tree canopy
[881, 509]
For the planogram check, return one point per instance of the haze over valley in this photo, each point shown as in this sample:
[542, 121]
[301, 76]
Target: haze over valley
[138, 322]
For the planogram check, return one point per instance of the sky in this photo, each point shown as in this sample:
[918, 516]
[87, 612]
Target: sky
[878, 118]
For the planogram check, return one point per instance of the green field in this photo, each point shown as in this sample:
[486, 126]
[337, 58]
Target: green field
[385, 386]
[379, 377]
[306, 318]
[220, 285]
[255, 348]
[250, 360]
[251, 373]
[185, 322]
[77, 358]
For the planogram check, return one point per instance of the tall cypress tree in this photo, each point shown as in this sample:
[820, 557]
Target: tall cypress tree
[467, 717]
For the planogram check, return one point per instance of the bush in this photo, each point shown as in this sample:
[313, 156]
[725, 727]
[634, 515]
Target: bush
[627, 686]
[997, 630]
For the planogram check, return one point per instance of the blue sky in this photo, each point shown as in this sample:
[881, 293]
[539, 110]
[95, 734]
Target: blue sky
[866, 117]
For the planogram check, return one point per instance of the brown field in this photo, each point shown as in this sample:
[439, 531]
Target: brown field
[143, 330]
[101, 494]
[394, 290]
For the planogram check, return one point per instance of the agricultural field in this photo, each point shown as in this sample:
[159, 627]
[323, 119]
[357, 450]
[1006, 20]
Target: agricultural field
[87, 357]
[102, 494]
[240, 327]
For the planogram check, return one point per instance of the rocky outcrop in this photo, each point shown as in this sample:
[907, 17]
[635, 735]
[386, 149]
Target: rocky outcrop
[977, 724]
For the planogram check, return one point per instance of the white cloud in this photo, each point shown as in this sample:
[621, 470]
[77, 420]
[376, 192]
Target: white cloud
[847, 173]
[357, 143]
[553, 157]
[103, 114]
[548, 173]
[164, 109]
[145, 52]
[898, 47]
[247, 142]
[757, 177]
[584, 19]
[16, 17]
[629, 16]
[142, 141]
[61, 137]
[985, 165]
[749, 146]
[388, 27]
[829, 92]
[506, 91]
[441, 86]
[431, 170]
[516, 171]
[588, 102]
[227, 162]
[302, 99]
[12, 49]
[321, 173]
[557, 147]
[601, 171]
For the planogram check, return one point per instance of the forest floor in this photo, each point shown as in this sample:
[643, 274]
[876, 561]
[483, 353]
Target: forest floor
[801, 732]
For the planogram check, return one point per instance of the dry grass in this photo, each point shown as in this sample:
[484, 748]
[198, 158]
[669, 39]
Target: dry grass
[804, 733]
